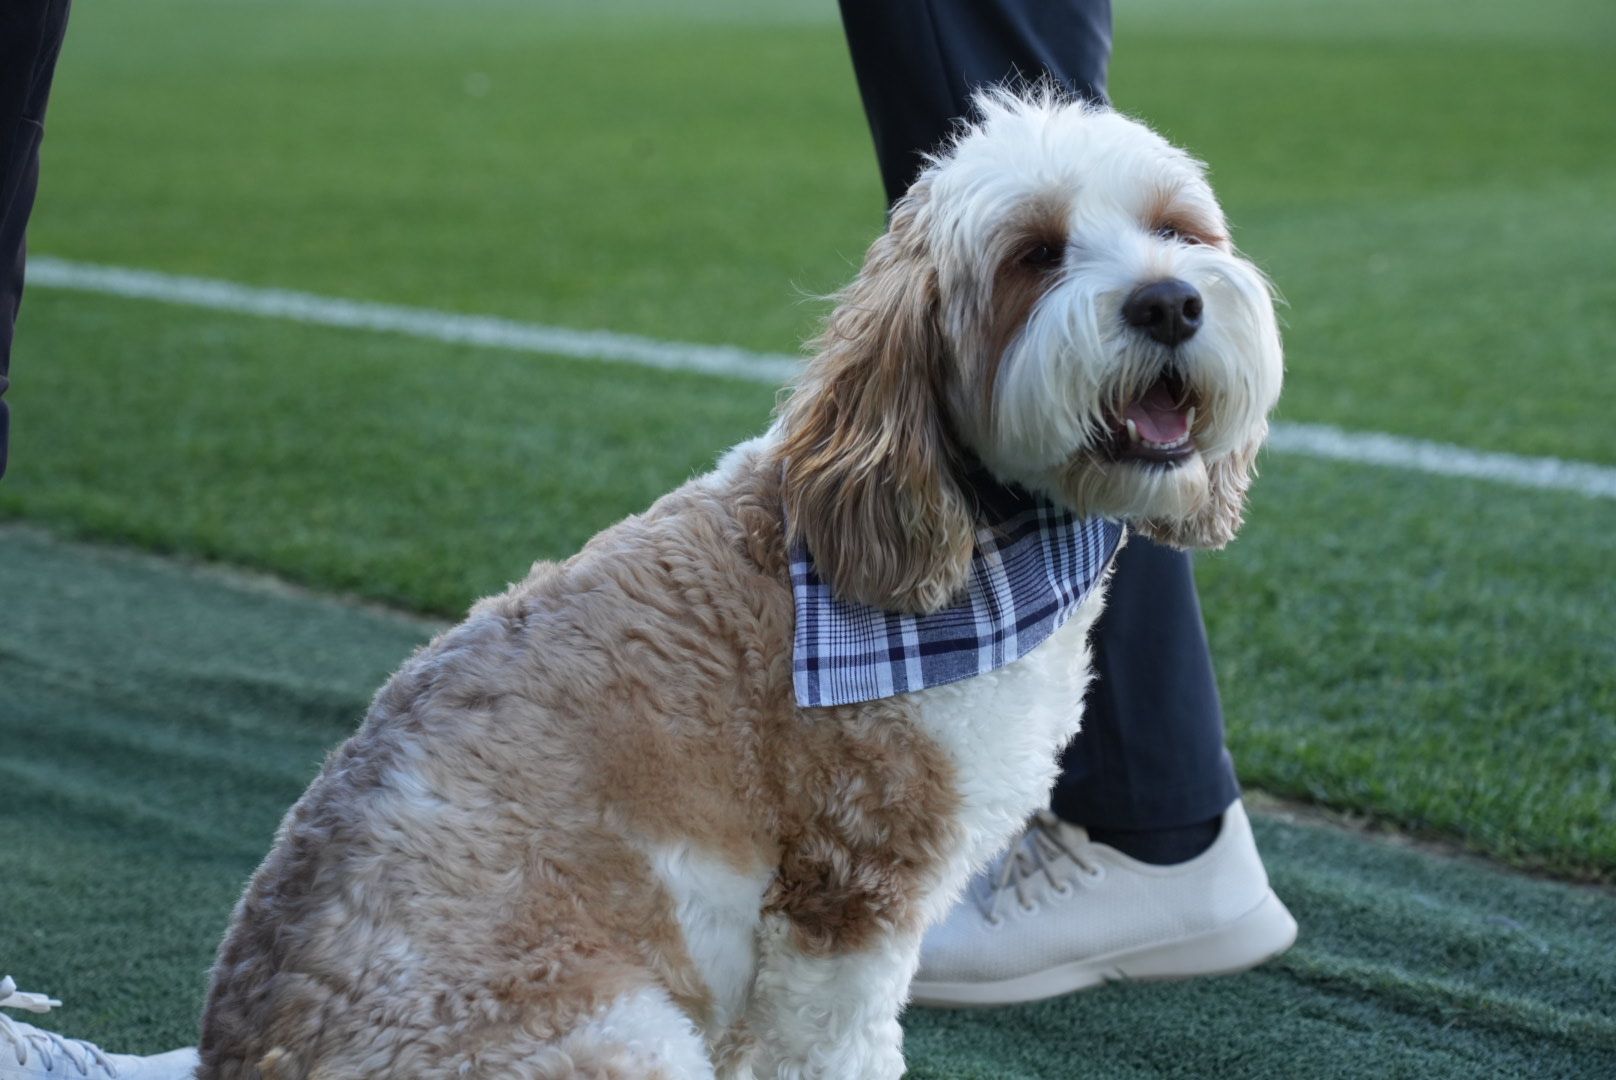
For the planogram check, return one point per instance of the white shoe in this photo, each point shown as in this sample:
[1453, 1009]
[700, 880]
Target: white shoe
[27, 1053]
[1059, 912]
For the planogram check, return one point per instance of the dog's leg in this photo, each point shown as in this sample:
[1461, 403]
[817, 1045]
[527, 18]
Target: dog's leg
[829, 1016]
[642, 1035]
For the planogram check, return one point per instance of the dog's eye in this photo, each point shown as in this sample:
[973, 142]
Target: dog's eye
[1170, 232]
[1042, 256]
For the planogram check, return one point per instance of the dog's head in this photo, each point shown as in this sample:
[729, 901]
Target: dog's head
[1056, 298]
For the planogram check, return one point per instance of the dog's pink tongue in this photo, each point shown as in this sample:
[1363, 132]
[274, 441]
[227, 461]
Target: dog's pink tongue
[1157, 415]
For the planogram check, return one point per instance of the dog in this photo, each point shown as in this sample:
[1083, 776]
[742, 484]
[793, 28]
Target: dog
[590, 832]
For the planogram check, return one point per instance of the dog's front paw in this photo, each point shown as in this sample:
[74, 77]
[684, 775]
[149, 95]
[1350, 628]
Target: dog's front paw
[876, 1054]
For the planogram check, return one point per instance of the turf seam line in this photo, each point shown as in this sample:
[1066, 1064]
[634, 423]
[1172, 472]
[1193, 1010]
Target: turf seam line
[1310, 440]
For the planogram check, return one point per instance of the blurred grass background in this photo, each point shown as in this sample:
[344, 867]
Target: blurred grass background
[1430, 186]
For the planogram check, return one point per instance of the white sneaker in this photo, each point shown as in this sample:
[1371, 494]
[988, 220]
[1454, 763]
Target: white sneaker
[1059, 912]
[27, 1053]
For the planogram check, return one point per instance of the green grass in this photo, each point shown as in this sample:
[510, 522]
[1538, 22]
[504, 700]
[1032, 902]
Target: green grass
[161, 717]
[1433, 191]
[1436, 196]
[401, 470]
[653, 173]
[1447, 666]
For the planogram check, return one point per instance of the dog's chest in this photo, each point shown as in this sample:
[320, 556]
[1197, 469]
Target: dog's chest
[1003, 733]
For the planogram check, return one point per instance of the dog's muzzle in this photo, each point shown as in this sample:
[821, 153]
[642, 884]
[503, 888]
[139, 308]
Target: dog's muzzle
[1158, 426]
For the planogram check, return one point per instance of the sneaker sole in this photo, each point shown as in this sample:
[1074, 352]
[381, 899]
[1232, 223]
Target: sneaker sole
[1260, 934]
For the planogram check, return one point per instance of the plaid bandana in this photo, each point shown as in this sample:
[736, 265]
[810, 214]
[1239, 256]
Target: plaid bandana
[1034, 564]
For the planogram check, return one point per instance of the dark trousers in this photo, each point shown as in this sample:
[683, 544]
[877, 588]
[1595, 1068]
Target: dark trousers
[1151, 752]
[30, 39]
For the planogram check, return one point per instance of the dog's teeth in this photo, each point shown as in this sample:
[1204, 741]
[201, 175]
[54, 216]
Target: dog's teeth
[1189, 419]
[1133, 432]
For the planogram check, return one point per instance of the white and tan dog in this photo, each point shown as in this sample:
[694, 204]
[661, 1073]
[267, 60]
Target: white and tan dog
[588, 832]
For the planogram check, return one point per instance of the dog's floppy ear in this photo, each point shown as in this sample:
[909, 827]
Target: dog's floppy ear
[1218, 519]
[869, 465]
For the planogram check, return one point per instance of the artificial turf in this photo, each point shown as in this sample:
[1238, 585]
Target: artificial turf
[1435, 196]
[161, 717]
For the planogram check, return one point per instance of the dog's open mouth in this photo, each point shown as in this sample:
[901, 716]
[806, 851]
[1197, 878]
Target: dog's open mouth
[1158, 426]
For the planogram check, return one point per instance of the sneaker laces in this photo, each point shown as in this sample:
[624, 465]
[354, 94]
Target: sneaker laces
[1039, 850]
[25, 1039]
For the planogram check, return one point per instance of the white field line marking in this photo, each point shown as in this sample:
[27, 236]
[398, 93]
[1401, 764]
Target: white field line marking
[1443, 459]
[1311, 440]
[414, 322]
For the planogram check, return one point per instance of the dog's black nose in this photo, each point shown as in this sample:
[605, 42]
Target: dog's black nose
[1169, 311]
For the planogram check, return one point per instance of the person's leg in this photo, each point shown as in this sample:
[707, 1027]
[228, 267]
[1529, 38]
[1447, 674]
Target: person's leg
[31, 34]
[917, 62]
[1148, 781]
[1151, 754]
[1148, 774]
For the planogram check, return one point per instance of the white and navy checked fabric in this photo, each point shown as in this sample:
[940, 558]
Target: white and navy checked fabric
[1033, 565]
